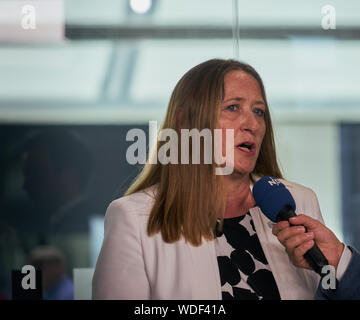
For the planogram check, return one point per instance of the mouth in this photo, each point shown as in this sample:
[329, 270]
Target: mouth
[248, 147]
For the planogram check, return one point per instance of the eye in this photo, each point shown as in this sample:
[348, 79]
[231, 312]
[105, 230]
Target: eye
[259, 112]
[232, 107]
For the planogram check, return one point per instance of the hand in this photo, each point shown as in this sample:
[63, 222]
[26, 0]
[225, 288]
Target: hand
[297, 241]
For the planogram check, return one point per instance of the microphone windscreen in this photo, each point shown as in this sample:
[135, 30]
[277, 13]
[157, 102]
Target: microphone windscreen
[271, 196]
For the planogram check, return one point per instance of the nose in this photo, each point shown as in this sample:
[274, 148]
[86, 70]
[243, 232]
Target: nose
[249, 122]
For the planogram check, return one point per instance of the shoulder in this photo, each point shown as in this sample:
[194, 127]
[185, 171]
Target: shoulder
[299, 190]
[139, 202]
[305, 199]
[129, 209]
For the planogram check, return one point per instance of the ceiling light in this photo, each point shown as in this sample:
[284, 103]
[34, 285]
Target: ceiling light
[140, 6]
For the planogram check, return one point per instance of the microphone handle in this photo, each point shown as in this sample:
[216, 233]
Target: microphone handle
[314, 257]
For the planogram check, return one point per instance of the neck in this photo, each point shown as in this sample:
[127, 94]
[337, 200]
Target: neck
[239, 198]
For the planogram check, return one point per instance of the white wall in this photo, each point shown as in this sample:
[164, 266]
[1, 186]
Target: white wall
[309, 154]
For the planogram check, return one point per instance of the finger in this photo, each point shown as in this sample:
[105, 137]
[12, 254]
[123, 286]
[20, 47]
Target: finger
[280, 226]
[298, 252]
[305, 220]
[293, 242]
[289, 232]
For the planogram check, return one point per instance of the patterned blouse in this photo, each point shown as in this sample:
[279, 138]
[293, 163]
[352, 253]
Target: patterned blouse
[244, 271]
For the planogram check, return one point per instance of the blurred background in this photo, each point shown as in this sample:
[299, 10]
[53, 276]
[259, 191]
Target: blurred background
[84, 72]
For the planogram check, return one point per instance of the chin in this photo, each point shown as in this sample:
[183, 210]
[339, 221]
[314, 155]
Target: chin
[244, 168]
[242, 171]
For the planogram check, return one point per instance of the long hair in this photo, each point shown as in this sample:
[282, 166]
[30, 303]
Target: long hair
[189, 197]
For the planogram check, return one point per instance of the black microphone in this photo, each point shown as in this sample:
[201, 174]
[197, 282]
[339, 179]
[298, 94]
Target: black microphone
[277, 203]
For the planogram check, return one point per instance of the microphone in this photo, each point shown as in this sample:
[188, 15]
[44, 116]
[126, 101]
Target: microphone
[277, 203]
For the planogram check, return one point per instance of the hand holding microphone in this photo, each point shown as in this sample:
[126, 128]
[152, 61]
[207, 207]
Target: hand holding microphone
[308, 242]
[297, 241]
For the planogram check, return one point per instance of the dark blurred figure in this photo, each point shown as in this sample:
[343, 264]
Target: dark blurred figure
[56, 168]
[56, 284]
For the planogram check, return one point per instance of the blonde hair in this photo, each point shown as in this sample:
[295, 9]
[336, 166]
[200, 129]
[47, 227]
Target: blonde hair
[189, 197]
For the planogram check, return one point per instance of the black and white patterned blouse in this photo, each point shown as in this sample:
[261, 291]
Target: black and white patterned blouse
[244, 270]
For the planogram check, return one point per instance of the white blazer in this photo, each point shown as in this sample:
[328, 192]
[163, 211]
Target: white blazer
[132, 265]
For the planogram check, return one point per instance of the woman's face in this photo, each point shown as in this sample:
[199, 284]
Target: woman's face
[243, 109]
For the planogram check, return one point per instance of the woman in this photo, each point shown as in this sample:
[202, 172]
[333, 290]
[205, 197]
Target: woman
[184, 232]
